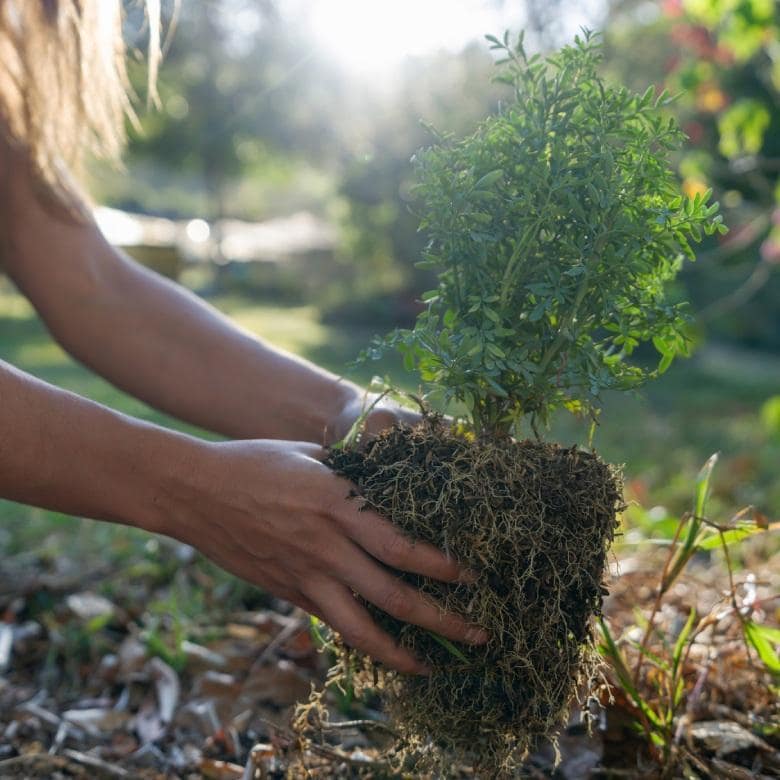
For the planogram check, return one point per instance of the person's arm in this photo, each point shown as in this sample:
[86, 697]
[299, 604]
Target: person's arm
[156, 340]
[267, 511]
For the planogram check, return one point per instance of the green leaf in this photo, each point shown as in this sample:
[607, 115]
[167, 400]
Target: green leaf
[447, 645]
[742, 127]
[770, 634]
[682, 638]
[497, 387]
[538, 311]
[611, 651]
[714, 542]
[98, 622]
[652, 657]
[703, 486]
[488, 180]
[758, 639]
[317, 630]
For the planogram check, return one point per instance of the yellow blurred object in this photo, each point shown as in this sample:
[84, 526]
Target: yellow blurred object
[711, 99]
[693, 187]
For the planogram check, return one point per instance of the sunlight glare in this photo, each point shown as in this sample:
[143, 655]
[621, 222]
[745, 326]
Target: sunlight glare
[373, 37]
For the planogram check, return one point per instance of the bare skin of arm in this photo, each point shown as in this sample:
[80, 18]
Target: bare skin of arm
[159, 342]
[263, 507]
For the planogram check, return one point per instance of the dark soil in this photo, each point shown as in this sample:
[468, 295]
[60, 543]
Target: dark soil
[535, 520]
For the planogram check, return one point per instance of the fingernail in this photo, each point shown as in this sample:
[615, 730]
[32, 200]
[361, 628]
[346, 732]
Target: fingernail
[468, 576]
[477, 636]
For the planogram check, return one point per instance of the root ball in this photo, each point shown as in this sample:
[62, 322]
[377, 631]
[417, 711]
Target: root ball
[535, 521]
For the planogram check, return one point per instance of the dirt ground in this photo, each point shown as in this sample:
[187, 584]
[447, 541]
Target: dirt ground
[102, 677]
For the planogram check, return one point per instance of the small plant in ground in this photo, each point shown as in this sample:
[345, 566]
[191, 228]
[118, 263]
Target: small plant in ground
[554, 229]
[664, 683]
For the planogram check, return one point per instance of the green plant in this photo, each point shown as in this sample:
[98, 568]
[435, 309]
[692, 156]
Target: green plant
[660, 697]
[554, 229]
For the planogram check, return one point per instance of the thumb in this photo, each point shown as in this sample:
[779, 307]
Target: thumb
[380, 420]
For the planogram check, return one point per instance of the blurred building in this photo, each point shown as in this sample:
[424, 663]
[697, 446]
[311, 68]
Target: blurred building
[286, 252]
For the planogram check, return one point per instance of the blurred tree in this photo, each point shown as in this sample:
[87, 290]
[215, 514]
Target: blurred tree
[255, 122]
[446, 91]
[723, 58]
[241, 96]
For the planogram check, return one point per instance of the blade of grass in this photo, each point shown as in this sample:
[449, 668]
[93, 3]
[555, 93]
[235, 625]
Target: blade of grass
[677, 686]
[652, 657]
[703, 486]
[682, 638]
[447, 645]
[694, 524]
[612, 652]
[353, 433]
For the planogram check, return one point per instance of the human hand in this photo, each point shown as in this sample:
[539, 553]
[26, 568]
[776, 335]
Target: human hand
[382, 415]
[271, 513]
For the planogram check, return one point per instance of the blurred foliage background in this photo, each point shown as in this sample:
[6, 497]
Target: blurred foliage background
[277, 170]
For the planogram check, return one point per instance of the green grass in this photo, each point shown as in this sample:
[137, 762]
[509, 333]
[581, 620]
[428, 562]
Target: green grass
[707, 404]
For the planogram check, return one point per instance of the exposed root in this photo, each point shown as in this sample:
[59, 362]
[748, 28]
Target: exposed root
[535, 520]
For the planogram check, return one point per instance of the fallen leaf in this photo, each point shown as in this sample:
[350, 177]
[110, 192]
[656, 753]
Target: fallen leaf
[723, 737]
[168, 687]
[6, 644]
[216, 684]
[199, 656]
[281, 683]
[239, 631]
[123, 744]
[200, 716]
[148, 724]
[88, 606]
[220, 770]
[299, 646]
[97, 721]
[132, 656]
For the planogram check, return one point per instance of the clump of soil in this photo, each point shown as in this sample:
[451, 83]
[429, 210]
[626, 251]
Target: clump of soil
[535, 521]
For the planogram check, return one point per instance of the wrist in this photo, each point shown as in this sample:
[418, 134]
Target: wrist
[162, 487]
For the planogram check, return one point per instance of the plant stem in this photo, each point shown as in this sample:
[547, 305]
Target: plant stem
[662, 588]
[555, 347]
[507, 282]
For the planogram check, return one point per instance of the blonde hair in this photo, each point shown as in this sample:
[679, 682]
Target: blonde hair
[64, 91]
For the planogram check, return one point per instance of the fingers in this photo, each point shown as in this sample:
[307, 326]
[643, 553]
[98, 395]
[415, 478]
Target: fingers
[338, 608]
[386, 543]
[382, 418]
[406, 603]
[310, 450]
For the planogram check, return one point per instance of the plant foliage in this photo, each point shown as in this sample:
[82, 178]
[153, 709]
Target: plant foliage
[554, 229]
[661, 687]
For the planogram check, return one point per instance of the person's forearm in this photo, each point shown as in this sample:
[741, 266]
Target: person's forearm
[61, 452]
[160, 343]
[165, 346]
